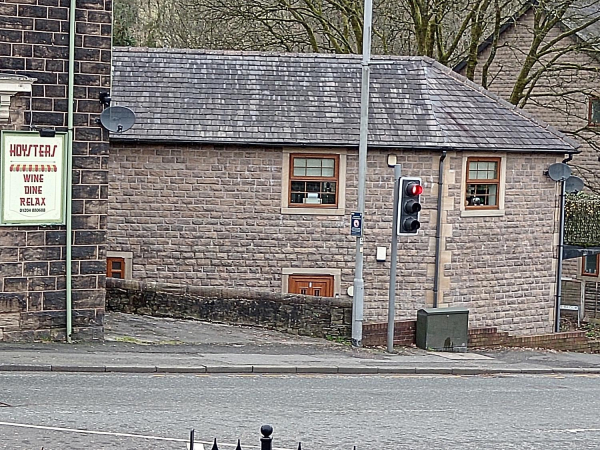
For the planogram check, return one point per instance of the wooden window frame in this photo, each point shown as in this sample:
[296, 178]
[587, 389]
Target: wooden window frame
[591, 101]
[328, 279]
[335, 178]
[587, 274]
[495, 181]
[110, 271]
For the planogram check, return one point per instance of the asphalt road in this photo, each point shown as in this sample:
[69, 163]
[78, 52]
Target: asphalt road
[323, 412]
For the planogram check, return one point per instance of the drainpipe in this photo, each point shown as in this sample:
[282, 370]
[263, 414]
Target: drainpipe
[69, 184]
[561, 239]
[561, 244]
[438, 229]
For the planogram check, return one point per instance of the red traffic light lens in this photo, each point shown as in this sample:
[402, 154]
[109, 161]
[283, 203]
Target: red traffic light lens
[414, 189]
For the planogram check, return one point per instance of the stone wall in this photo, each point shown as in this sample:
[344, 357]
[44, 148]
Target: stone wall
[297, 314]
[211, 216]
[34, 37]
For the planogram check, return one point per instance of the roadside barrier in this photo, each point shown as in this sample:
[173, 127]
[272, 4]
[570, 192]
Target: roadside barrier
[266, 441]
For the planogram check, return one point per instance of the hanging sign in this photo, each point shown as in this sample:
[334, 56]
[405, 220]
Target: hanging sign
[32, 178]
[356, 224]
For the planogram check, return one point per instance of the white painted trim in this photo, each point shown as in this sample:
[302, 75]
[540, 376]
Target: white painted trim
[482, 213]
[9, 86]
[314, 211]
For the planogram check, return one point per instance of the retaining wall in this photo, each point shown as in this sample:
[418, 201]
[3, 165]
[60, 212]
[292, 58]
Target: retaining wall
[297, 314]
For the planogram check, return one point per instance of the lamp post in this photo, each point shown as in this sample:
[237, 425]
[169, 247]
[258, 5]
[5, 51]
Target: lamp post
[359, 283]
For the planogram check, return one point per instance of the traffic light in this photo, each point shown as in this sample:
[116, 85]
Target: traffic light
[410, 206]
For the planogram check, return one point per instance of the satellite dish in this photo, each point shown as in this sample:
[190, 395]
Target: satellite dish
[559, 172]
[117, 119]
[573, 184]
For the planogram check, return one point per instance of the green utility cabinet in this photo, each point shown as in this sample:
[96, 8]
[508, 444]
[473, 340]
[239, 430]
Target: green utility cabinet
[443, 329]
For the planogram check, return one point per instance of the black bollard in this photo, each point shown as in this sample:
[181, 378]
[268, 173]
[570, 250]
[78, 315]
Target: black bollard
[266, 442]
[192, 440]
[214, 447]
[239, 446]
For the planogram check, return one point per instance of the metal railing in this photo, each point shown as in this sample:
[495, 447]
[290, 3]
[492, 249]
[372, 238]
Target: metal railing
[266, 441]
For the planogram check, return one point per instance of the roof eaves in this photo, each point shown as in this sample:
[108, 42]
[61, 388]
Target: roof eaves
[412, 146]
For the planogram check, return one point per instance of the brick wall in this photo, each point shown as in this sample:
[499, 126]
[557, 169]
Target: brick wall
[575, 341]
[34, 36]
[375, 335]
[211, 216]
[297, 314]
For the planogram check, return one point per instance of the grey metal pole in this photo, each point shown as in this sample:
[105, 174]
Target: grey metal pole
[359, 283]
[561, 241]
[394, 261]
[438, 230]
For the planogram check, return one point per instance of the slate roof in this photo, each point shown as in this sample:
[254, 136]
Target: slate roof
[314, 99]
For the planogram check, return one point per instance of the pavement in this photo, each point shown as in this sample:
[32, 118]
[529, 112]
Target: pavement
[139, 344]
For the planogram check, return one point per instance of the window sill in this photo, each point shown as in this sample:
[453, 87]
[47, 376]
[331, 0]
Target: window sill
[314, 211]
[482, 213]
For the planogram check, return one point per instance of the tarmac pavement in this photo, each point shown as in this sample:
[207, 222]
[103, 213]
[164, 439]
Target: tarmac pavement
[139, 344]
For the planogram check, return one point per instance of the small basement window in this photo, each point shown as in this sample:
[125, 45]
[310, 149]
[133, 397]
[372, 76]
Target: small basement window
[119, 264]
[115, 268]
[316, 285]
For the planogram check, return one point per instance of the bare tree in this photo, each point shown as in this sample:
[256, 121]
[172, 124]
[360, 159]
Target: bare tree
[548, 61]
[550, 54]
[125, 16]
[441, 29]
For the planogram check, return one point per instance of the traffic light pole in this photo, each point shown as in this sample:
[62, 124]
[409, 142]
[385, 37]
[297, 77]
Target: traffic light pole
[359, 282]
[394, 261]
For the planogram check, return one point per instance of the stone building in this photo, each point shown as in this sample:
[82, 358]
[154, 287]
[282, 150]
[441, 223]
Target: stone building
[46, 64]
[567, 96]
[241, 172]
